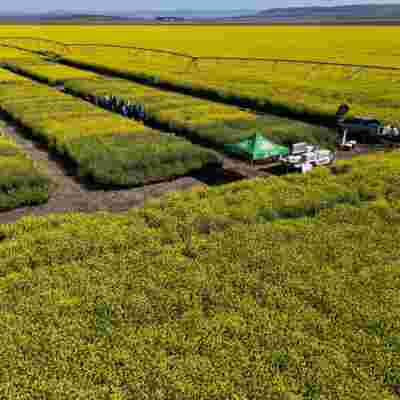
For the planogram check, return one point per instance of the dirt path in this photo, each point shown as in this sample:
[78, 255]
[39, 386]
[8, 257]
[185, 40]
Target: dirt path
[70, 195]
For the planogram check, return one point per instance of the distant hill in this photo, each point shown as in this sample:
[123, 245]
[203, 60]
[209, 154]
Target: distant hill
[375, 11]
[349, 14]
[80, 17]
[195, 14]
[63, 19]
[123, 15]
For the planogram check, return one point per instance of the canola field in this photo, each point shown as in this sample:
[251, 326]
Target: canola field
[354, 44]
[208, 122]
[308, 92]
[304, 91]
[197, 119]
[283, 288]
[278, 289]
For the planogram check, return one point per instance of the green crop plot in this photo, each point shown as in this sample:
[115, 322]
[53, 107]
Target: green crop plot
[106, 148]
[22, 183]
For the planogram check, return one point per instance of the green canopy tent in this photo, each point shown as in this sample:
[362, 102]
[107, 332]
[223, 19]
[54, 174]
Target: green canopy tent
[257, 147]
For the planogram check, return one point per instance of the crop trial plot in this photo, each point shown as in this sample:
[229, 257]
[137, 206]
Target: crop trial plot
[214, 123]
[106, 148]
[48, 72]
[9, 52]
[7, 76]
[21, 182]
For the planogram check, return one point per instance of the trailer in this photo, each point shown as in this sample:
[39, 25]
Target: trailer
[390, 132]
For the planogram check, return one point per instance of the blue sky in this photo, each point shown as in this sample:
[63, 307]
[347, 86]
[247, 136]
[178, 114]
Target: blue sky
[45, 5]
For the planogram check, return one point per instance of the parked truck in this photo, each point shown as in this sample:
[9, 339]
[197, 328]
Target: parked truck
[364, 125]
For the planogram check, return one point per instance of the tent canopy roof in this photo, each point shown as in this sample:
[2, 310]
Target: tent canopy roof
[257, 147]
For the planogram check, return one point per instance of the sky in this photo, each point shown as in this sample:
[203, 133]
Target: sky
[132, 5]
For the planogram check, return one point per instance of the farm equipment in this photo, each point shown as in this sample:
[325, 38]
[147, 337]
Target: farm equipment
[359, 125]
[346, 145]
[390, 131]
[304, 157]
[363, 125]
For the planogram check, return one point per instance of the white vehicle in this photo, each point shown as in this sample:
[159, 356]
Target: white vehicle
[303, 153]
[389, 131]
[301, 148]
[294, 161]
[323, 157]
[306, 167]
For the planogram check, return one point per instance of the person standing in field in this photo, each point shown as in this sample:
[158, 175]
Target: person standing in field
[113, 103]
[140, 111]
[124, 110]
[110, 102]
[120, 105]
[129, 105]
[341, 112]
[132, 111]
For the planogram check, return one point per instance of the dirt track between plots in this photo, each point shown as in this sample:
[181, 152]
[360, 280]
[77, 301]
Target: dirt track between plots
[70, 195]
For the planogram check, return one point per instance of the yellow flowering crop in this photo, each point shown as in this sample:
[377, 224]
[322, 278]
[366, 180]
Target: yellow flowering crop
[281, 288]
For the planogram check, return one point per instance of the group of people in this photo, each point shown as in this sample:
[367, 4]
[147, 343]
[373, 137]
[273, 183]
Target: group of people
[126, 108]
